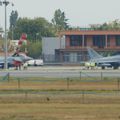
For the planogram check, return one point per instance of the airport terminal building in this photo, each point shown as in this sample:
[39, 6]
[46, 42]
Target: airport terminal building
[70, 46]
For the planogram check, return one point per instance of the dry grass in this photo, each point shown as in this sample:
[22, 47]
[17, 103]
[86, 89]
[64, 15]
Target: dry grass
[58, 111]
[60, 84]
[59, 100]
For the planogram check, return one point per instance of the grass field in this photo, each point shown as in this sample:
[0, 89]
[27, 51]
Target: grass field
[58, 111]
[59, 100]
[62, 84]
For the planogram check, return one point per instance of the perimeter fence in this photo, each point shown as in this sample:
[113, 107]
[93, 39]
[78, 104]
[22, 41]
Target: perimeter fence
[78, 89]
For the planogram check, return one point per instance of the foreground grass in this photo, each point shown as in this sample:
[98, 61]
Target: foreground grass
[59, 100]
[57, 111]
[59, 107]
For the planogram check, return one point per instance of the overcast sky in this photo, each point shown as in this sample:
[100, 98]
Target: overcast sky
[79, 12]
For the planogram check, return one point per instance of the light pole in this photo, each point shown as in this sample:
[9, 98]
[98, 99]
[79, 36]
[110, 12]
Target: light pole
[6, 48]
[5, 42]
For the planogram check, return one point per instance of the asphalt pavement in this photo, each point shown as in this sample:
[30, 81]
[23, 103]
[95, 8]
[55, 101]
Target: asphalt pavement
[61, 72]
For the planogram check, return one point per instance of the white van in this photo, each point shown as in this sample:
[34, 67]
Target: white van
[38, 62]
[30, 63]
[35, 62]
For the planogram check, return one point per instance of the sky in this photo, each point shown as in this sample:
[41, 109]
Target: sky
[79, 12]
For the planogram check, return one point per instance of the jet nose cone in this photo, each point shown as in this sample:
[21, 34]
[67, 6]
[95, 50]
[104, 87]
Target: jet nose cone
[25, 57]
[28, 58]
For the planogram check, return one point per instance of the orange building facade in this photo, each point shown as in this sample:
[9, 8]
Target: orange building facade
[76, 42]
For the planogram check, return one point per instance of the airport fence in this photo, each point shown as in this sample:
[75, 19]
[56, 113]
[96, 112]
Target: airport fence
[83, 89]
[69, 83]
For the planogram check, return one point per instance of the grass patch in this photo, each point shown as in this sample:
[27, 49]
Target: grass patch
[59, 99]
[58, 111]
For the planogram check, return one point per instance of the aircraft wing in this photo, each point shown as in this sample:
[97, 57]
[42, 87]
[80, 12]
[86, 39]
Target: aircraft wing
[17, 59]
[14, 60]
[110, 61]
[10, 60]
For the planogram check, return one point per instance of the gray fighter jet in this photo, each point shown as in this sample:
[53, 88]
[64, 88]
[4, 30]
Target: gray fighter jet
[99, 60]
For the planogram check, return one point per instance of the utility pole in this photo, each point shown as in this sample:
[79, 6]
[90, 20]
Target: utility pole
[5, 2]
[6, 48]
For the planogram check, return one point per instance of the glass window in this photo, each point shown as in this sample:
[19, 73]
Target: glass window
[66, 57]
[117, 40]
[79, 57]
[75, 40]
[99, 41]
[108, 41]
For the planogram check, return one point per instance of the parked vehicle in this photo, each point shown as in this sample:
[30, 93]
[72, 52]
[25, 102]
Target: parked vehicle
[30, 63]
[38, 62]
[35, 62]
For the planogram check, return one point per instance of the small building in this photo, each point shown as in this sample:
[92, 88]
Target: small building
[71, 46]
[49, 46]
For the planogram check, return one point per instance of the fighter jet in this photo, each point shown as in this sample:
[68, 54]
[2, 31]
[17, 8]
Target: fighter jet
[99, 60]
[14, 60]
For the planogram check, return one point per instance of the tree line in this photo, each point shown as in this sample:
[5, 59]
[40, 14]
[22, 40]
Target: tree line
[36, 29]
[40, 27]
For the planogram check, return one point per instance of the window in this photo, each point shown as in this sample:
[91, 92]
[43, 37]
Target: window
[99, 41]
[75, 40]
[108, 41]
[79, 57]
[66, 57]
[117, 38]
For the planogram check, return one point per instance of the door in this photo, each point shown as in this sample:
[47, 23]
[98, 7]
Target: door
[73, 57]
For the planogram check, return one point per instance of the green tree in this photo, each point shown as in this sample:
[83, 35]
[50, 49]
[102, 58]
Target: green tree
[60, 21]
[1, 30]
[34, 28]
[13, 20]
[114, 25]
[35, 49]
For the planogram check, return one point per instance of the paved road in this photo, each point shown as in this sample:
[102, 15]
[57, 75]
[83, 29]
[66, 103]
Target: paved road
[64, 72]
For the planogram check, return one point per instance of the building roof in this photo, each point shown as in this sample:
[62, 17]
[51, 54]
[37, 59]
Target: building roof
[89, 32]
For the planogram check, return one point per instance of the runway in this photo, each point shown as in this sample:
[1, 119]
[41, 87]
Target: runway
[61, 72]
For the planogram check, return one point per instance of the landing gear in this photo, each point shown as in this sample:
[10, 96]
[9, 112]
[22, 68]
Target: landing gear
[115, 66]
[103, 67]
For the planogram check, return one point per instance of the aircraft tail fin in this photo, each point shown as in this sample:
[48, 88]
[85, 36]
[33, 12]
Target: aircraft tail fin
[93, 54]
